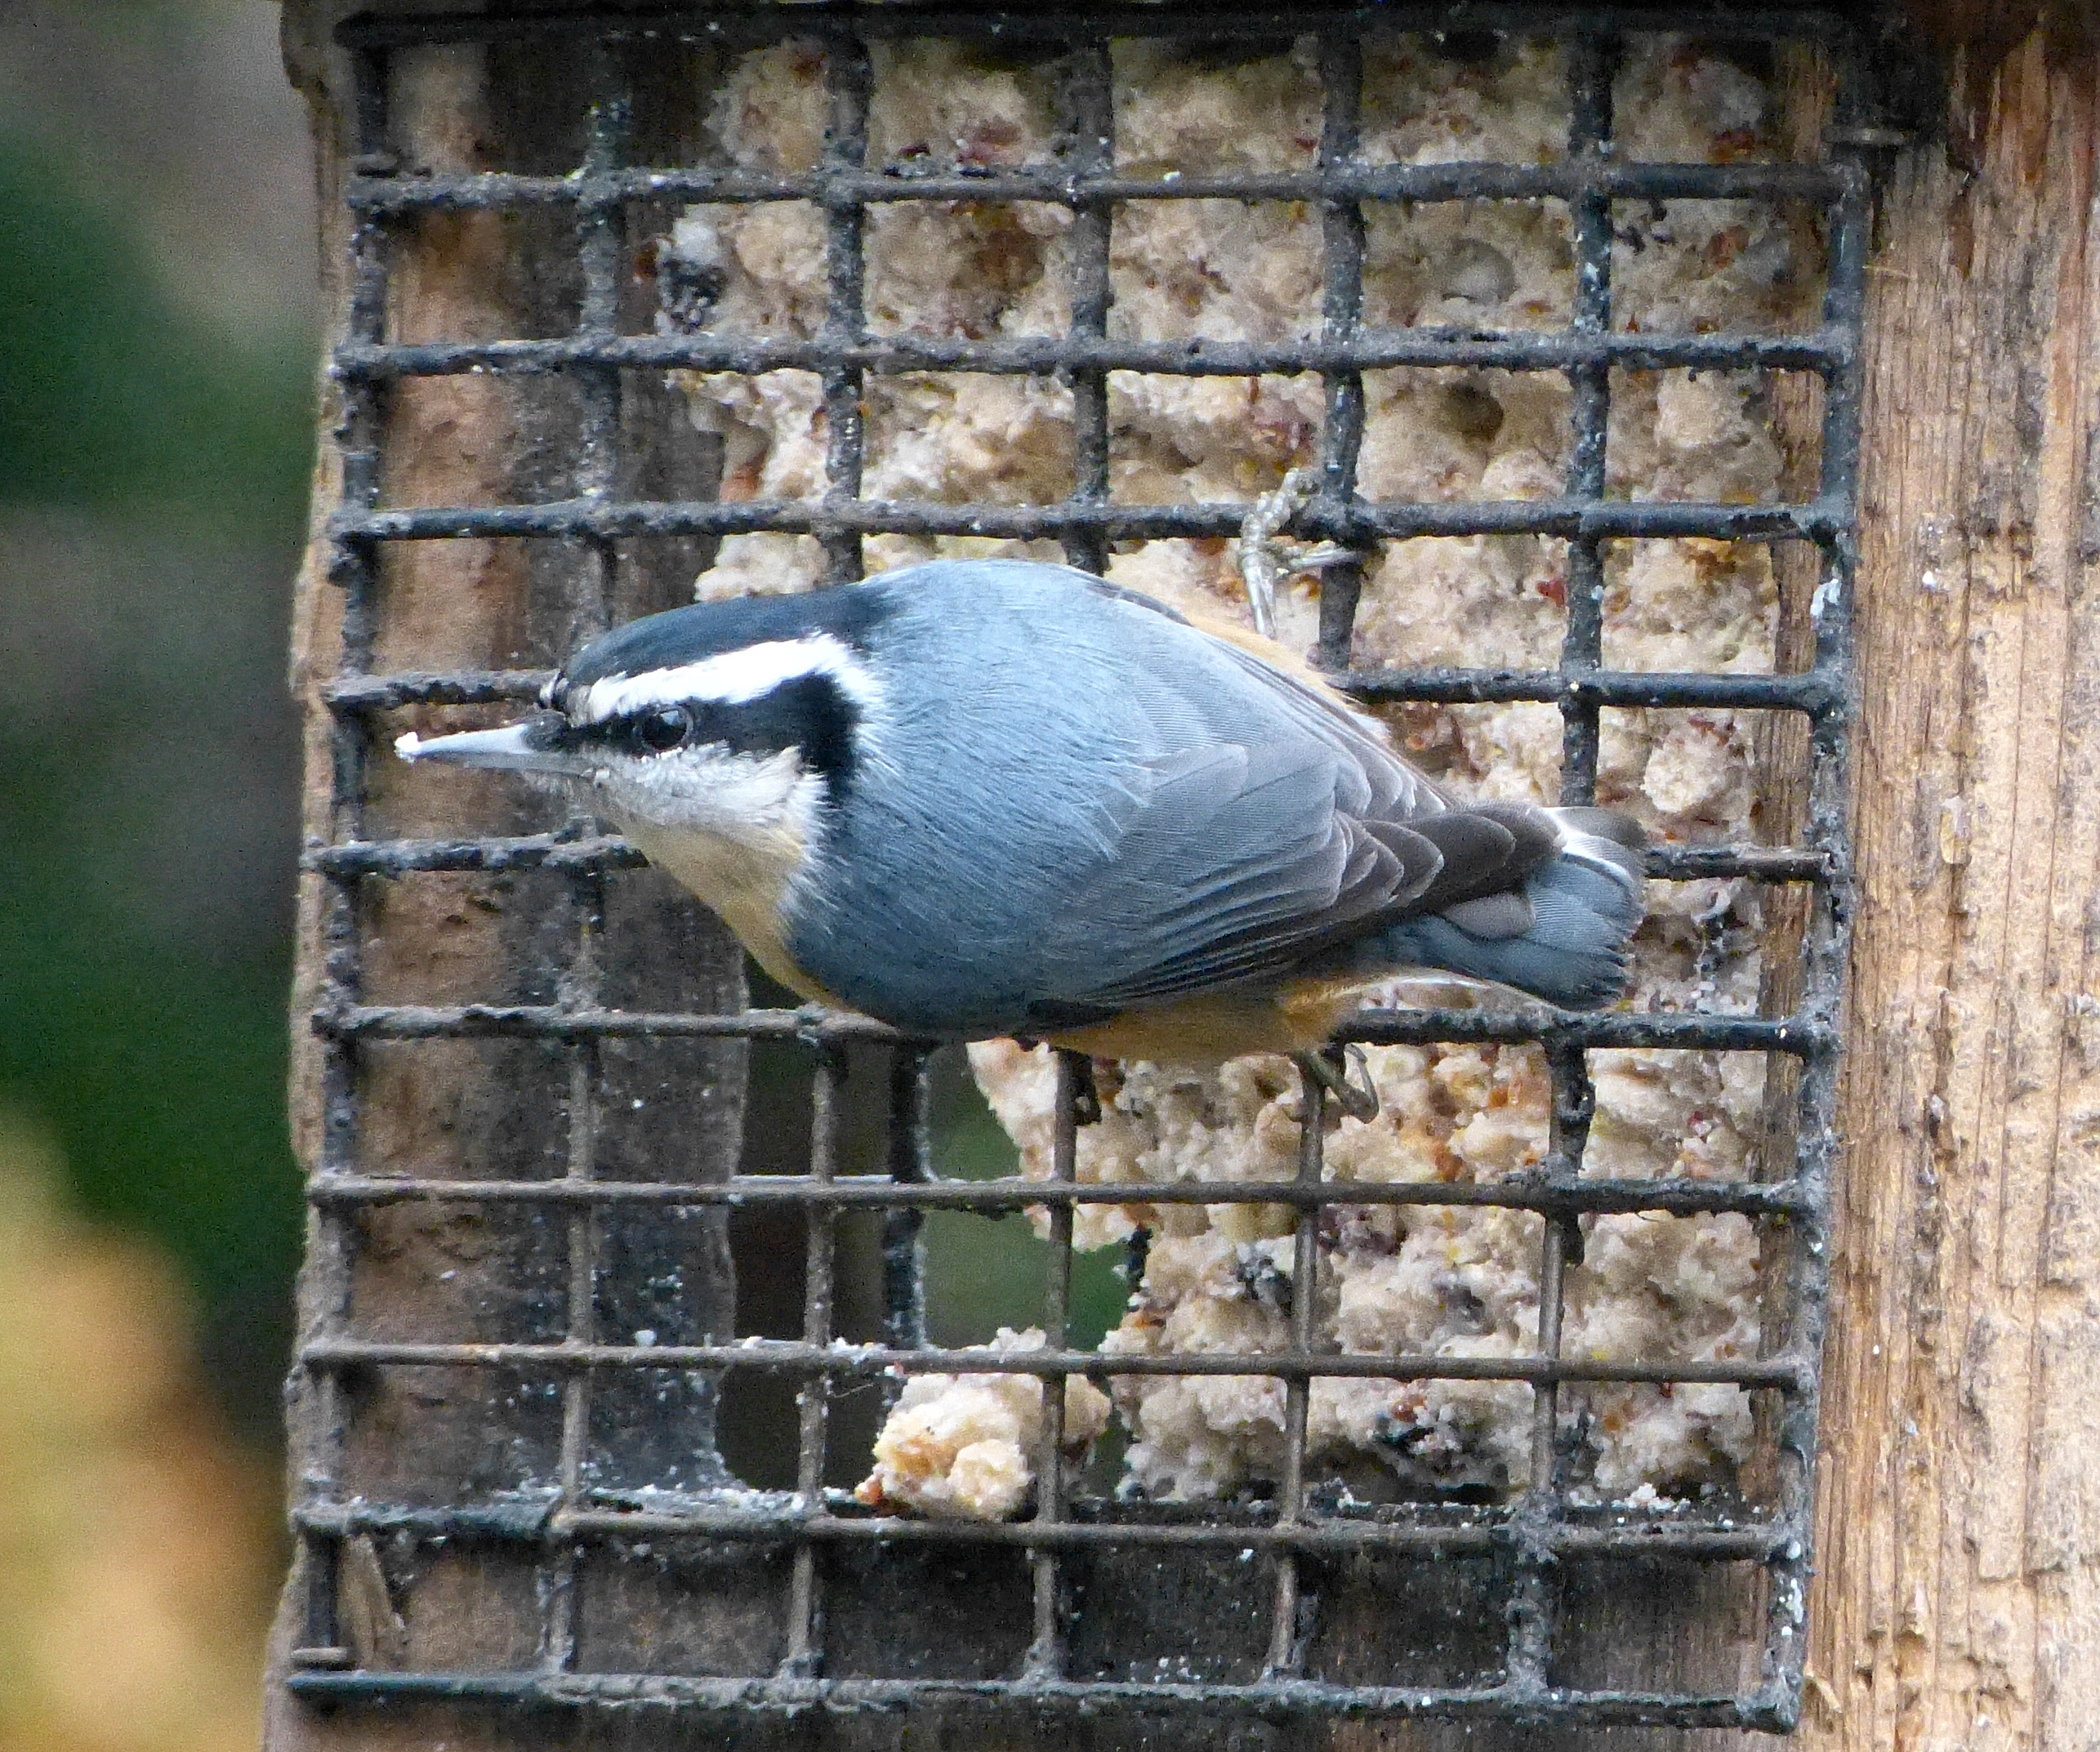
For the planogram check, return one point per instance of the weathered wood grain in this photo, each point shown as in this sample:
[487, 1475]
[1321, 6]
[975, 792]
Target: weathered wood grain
[470, 1109]
[1958, 1598]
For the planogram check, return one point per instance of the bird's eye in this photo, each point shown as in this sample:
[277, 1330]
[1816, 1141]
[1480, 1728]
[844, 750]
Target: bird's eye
[659, 731]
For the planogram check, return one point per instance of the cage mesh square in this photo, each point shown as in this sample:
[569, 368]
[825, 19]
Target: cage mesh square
[615, 1269]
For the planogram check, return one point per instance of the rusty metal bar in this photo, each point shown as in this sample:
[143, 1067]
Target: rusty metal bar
[1341, 318]
[1285, 1638]
[1045, 1658]
[1533, 1610]
[600, 247]
[895, 1361]
[779, 1518]
[1816, 693]
[805, 1655]
[1554, 1193]
[1090, 105]
[353, 566]
[603, 852]
[1593, 60]
[910, 1164]
[1362, 521]
[847, 79]
[1820, 351]
[1270, 1700]
[1802, 1036]
[1012, 26]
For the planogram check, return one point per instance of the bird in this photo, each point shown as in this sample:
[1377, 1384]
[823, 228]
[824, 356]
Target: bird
[985, 799]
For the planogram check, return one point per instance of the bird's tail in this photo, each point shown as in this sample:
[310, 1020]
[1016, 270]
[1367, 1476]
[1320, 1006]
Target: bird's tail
[1561, 935]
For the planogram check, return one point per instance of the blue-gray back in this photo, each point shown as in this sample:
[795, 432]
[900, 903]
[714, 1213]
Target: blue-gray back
[1081, 803]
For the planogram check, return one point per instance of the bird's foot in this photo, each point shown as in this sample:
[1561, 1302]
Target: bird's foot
[1264, 561]
[1346, 1074]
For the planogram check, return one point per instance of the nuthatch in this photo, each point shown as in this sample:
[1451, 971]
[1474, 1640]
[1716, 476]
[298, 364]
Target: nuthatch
[994, 797]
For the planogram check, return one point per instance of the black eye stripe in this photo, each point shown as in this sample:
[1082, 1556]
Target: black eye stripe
[810, 714]
[699, 723]
[662, 729]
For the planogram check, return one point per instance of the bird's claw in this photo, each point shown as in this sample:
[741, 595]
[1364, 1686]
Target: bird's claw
[1261, 562]
[1318, 559]
[1346, 1077]
[1264, 563]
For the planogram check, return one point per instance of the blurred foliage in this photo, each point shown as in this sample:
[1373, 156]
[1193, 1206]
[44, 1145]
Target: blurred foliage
[136, 1547]
[110, 397]
[164, 1076]
[156, 1061]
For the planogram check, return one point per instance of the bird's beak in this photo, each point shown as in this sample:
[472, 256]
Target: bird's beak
[532, 745]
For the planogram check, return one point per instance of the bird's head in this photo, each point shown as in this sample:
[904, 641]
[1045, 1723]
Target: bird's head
[726, 720]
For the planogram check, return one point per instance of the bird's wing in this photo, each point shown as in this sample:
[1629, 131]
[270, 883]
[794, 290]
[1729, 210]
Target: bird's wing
[1242, 857]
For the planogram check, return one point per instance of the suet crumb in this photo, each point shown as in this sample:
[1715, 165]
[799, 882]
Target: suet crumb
[964, 1445]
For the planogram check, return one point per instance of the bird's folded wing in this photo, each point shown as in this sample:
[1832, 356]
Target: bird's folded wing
[1237, 864]
[1246, 870]
[1243, 858]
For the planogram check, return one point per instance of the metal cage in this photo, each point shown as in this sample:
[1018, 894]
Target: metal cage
[992, 1614]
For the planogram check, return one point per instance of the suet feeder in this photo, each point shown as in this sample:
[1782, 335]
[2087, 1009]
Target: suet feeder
[1579, 302]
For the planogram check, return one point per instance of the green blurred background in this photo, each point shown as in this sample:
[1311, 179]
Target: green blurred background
[158, 305]
[157, 340]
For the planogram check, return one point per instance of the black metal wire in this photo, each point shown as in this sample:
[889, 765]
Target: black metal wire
[1533, 1611]
[803, 1657]
[1534, 1536]
[353, 566]
[1360, 523]
[1047, 22]
[1080, 184]
[1034, 356]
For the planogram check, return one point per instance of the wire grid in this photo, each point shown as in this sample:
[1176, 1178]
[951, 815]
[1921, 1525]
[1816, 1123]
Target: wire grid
[1535, 1536]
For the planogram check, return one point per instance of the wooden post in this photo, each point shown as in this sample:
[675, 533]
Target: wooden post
[1957, 1596]
[466, 1109]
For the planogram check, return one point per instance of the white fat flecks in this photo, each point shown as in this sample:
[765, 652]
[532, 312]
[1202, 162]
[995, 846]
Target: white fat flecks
[730, 677]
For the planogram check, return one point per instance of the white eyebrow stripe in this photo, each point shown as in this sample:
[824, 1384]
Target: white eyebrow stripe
[730, 678]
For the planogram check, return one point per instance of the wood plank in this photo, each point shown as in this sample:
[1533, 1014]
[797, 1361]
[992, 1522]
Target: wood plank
[1957, 1583]
[463, 1109]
